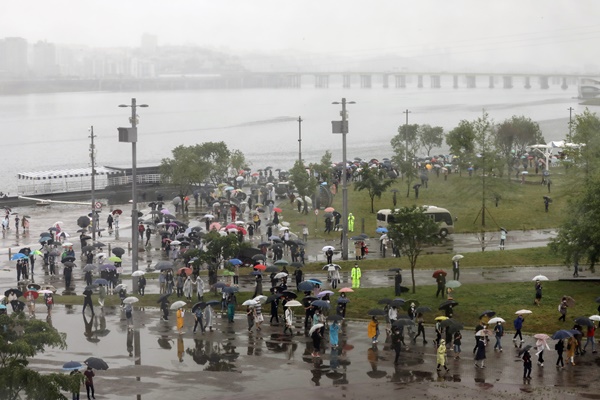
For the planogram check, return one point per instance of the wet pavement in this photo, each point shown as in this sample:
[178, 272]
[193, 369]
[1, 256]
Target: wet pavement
[152, 359]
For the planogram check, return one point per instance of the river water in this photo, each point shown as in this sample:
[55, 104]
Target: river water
[51, 131]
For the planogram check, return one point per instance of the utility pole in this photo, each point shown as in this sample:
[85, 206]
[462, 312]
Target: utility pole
[300, 139]
[570, 138]
[93, 164]
[343, 129]
[406, 131]
[130, 135]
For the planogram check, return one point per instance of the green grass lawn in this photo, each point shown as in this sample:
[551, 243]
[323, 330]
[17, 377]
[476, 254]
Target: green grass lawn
[520, 207]
[504, 298]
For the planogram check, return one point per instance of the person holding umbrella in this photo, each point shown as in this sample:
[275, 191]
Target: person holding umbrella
[518, 324]
[560, 348]
[591, 330]
[440, 279]
[180, 315]
[562, 308]
[526, 364]
[164, 306]
[87, 300]
[316, 334]
[420, 328]
[208, 317]
[540, 344]
[289, 321]
[538, 293]
[480, 352]
[398, 283]
[571, 346]
[141, 285]
[498, 333]
[396, 342]
[334, 330]
[49, 300]
[101, 295]
[373, 329]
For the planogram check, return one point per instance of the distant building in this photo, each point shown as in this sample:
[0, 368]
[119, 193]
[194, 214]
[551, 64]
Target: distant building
[44, 60]
[13, 57]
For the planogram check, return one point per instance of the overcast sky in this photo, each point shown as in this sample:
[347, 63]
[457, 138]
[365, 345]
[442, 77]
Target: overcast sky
[565, 32]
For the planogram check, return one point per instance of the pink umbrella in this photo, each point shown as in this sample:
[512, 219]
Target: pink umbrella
[329, 209]
[231, 226]
[346, 290]
[165, 211]
[214, 226]
[541, 336]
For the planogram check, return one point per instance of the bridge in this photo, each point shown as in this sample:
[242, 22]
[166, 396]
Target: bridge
[319, 80]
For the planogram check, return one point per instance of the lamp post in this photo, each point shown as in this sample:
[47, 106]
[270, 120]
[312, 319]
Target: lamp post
[343, 129]
[300, 139]
[93, 164]
[130, 135]
[406, 132]
[570, 138]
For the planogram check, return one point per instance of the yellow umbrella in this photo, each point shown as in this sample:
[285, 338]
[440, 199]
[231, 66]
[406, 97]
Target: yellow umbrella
[441, 318]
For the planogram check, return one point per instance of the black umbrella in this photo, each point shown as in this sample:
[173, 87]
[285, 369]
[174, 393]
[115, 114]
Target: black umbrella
[403, 322]
[16, 292]
[524, 349]
[290, 294]
[165, 343]
[377, 374]
[297, 265]
[447, 304]
[397, 303]
[335, 317]
[307, 301]
[83, 221]
[96, 363]
[67, 259]
[395, 269]
[118, 251]
[452, 324]
[422, 309]
[584, 321]
[48, 234]
[82, 230]
[376, 311]
[201, 304]
[25, 250]
[162, 265]
[88, 291]
[272, 268]
[88, 248]
[99, 244]
[384, 301]
[487, 313]
[163, 297]
[219, 285]
[69, 264]
[259, 257]
[231, 289]
[306, 286]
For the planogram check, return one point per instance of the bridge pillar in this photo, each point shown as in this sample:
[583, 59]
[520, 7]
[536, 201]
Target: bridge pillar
[564, 85]
[527, 82]
[386, 81]
[365, 81]
[346, 81]
[420, 81]
[471, 81]
[544, 82]
[507, 82]
[435, 81]
[455, 81]
[322, 81]
[491, 85]
[400, 81]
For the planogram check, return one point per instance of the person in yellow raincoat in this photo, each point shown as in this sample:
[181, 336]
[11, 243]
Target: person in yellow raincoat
[571, 346]
[180, 314]
[373, 329]
[441, 356]
[356, 274]
[350, 222]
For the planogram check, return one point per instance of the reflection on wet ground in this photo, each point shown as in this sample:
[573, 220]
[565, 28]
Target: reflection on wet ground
[152, 358]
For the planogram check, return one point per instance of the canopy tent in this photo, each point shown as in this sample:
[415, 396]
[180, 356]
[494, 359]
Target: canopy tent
[64, 180]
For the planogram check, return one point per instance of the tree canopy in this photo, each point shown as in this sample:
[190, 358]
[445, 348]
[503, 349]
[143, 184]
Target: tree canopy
[23, 338]
[512, 138]
[412, 231]
[374, 181]
[196, 164]
[304, 183]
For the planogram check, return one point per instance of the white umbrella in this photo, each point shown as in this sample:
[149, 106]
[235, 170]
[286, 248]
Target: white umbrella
[120, 286]
[261, 299]
[138, 273]
[280, 275]
[131, 300]
[314, 328]
[293, 303]
[101, 255]
[285, 223]
[540, 278]
[523, 312]
[283, 228]
[240, 222]
[250, 303]
[208, 216]
[457, 257]
[43, 291]
[67, 244]
[595, 317]
[495, 320]
[328, 248]
[175, 243]
[177, 304]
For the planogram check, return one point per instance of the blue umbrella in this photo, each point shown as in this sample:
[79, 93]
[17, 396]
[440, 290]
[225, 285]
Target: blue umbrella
[315, 281]
[100, 281]
[2, 307]
[18, 256]
[320, 303]
[219, 285]
[306, 286]
[72, 366]
[231, 289]
[562, 334]
[235, 261]
[381, 230]
[255, 273]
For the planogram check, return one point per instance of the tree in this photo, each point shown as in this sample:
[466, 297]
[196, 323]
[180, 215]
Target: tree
[461, 141]
[405, 145]
[303, 182]
[374, 181]
[219, 248]
[512, 138]
[579, 235]
[324, 168]
[23, 338]
[587, 154]
[194, 165]
[412, 231]
[430, 137]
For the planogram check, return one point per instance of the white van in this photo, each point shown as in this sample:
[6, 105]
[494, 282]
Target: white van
[440, 215]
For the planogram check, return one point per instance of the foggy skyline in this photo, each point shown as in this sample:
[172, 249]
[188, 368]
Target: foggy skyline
[558, 35]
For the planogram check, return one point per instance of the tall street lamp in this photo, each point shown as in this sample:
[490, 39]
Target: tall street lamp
[300, 139]
[130, 135]
[342, 127]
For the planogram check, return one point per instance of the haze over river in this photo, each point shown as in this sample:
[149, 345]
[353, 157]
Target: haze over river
[51, 131]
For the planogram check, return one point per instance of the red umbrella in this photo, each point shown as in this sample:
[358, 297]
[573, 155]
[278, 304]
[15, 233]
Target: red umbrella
[439, 272]
[277, 210]
[260, 267]
[231, 226]
[242, 230]
[188, 271]
[117, 211]
[33, 293]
